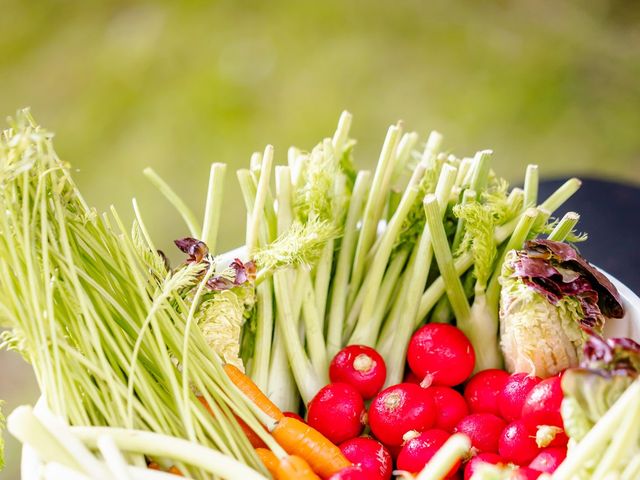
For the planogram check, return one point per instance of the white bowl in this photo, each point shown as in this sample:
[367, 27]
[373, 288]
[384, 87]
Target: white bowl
[628, 326]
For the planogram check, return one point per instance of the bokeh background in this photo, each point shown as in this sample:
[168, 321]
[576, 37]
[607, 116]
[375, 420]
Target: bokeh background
[177, 85]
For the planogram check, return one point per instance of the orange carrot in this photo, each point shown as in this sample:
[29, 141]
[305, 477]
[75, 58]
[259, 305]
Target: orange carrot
[251, 390]
[269, 459]
[294, 468]
[298, 438]
[173, 469]
[254, 439]
[153, 466]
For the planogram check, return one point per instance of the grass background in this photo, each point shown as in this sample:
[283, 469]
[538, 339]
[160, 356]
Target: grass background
[177, 85]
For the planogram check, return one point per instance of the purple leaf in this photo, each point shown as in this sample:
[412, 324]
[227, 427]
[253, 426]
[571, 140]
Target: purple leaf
[196, 249]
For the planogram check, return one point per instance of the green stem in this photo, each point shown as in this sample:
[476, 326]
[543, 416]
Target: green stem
[155, 444]
[264, 334]
[322, 280]
[343, 267]
[564, 227]
[213, 205]
[441, 250]
[373, 209]
[454, 449]
[623, 444]
[561, 195]
[365, 332]
[481, 167]
[599, 435]
[257, 212]
[531, 186]
[313, 328]
[341, 134]
[175, 200]
[302, 369]
[516, 241]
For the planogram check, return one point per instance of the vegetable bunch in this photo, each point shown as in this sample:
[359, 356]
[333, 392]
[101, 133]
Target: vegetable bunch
[359, 257]
[125, 347]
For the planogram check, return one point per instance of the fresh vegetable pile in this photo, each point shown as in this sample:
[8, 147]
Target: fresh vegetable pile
[361, 331]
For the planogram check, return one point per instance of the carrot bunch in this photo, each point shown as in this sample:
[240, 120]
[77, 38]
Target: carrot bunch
[306, 453]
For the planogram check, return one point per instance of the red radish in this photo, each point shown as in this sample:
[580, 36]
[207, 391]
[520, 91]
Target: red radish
[514, 393]
[293, 415]
[524, 473]
[350, 473]
[483, 429]
[360, 366]
[371, 456]
[337, 412]
[472, 465]
[543, 402]
[399, 409]
[546, 435]
[548, 459]
[483, 389]
[442, 352]
[450, 407]
[518, 443]
[417, 451]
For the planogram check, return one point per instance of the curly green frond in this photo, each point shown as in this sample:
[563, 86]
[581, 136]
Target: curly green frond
[496, 198]
[317, 199]
[153, 261]
[480, 221]
[414, 222]
[300, 245]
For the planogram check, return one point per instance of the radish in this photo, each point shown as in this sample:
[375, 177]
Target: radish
[419, 449]
[293, 415]
[548, 459]
[543, 402]
[472, 465]
[514, 394]
[551, 436]
[350, 473]
[399, 409]
[483, 429]
[450, 407]
[337, 411]
[360, 366]
[371, 456]
[518, 443]
[483, 389]
[524, 473]
[442, 353]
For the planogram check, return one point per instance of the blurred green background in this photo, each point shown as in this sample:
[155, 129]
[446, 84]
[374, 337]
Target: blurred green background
[177, 85]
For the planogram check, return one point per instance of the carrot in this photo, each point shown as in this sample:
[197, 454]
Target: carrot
[298, 438]
[293, 467]
[269, 459]
[251, 390]
[254, 439]
[173, 469]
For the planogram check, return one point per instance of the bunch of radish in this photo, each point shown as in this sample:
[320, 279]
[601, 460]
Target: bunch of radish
[513, 421]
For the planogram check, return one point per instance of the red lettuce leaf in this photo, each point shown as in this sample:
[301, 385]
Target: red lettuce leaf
[565, 256]
[617, 356]
[196, 249]
[198, 252]
[557, 270]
